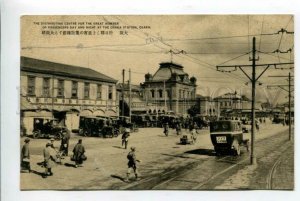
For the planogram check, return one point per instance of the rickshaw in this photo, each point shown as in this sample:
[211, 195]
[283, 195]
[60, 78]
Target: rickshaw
[227, 137]
[47, 127]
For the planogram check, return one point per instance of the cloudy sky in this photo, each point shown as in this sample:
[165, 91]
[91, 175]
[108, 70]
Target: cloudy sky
[198, 42]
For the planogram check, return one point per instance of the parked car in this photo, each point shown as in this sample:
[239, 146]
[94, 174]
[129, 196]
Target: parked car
[47, 127]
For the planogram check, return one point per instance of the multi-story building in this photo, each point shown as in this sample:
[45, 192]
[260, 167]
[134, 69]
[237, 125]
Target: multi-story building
[208, 106]
[169, 89]
[138, 105]
[64, 92]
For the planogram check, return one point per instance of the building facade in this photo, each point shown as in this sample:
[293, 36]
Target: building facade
[208, 106]
[138, 105]
[64, 92]
[169, 89]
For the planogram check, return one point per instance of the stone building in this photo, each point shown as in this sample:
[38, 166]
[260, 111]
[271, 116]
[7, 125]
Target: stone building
[64, 92]
[169, 89]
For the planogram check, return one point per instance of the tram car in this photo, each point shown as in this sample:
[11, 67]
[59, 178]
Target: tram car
[227, 137]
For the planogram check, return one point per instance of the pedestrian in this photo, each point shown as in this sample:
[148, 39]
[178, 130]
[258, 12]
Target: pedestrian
[64, 147]
[193, 135]
[257, 125]
[78, 154]
[178, 128]
[49, 159]
[166, 129]
[132, 164]
[125, 137]
[25, 156]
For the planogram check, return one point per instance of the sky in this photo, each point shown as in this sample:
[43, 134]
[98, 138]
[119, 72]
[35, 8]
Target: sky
[197, 42]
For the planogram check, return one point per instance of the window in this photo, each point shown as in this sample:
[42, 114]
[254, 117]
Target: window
[152, 93]
[110, 93]
[160, 93]
[31, 86]
[74, 89]
[60, 88]
[86, 90]
[99, 91]
[46, 87]
[168, 93]
[180, 93]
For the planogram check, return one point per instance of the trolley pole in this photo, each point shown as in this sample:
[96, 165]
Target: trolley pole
[252, 156]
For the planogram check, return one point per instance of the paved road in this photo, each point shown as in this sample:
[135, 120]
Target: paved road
[107, 163]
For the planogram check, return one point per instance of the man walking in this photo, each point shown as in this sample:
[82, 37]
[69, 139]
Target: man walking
[132, 164]
[25, 156]
[64, 147]
[125, 137]
[166, 129]
[49, 159]
[78, 154]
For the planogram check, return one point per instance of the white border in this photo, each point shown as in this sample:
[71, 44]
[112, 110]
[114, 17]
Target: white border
[11, 11]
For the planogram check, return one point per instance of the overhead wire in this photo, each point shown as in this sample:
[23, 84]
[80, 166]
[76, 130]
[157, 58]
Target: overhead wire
[210, 66]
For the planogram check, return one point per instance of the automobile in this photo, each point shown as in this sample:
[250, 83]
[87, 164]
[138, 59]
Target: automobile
[109, 131]
[47, 127]
[91, 126]
[227, 137]
[124, 122]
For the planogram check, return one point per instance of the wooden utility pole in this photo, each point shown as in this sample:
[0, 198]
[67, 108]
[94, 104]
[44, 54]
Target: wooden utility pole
[129, 83]
[252, 156]
[123, 85]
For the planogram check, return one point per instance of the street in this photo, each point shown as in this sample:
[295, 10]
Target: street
[165, 164]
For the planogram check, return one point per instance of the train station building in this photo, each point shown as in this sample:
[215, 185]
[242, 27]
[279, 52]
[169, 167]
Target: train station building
[169, 89]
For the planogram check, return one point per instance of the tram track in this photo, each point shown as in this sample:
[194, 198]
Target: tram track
[210, 169]
[270, 177]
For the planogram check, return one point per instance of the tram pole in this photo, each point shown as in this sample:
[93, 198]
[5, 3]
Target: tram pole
[252, 154]
[123, 85]
[290, 126]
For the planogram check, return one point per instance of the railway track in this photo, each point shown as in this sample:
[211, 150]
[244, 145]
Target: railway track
[270, 177]
[209, 172]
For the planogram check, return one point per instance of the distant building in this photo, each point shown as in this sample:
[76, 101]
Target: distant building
[208, 106]
[138, 104]
[233, 104]
[64, 92]
[169, 89]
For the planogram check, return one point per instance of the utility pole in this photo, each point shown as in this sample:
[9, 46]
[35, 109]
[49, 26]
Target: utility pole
[123, 85]
[290, 95]
[165, 98]
[252, 156]
[129, 83]
[253, 80]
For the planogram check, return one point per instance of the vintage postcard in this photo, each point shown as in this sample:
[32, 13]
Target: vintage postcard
[157, 102]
